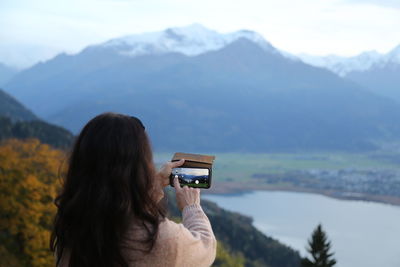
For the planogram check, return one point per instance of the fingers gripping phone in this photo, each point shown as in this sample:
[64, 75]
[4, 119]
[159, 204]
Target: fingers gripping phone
[195, 172]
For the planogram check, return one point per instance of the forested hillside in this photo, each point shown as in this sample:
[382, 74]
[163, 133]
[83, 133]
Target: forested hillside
[45, 132]
[16, 121]
[11, 108]
[28, 184]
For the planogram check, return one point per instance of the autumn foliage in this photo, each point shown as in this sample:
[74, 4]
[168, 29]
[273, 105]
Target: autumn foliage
[29, 181]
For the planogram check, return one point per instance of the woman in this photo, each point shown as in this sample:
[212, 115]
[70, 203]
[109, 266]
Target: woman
[109, 210]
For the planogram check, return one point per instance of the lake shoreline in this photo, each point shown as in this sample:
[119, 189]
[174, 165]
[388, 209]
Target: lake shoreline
[354, 228]
[238, 188]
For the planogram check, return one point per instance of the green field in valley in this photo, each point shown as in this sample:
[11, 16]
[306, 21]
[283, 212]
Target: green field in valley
[241, 166]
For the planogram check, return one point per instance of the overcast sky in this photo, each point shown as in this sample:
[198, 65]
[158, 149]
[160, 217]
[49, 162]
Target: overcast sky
[32, 30]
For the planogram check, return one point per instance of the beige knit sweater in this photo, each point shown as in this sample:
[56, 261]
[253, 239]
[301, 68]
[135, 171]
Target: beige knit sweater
[190, 243]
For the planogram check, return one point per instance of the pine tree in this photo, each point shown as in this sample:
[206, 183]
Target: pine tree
[319, 248]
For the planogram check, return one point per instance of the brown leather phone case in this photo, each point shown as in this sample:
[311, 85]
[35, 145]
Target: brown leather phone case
[195, 161]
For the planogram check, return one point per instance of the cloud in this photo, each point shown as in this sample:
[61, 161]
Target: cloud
[344, 27]
[385, 3]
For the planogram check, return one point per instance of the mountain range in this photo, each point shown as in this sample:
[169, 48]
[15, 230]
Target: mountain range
[6, 73]
[377, 72]
[199, 90]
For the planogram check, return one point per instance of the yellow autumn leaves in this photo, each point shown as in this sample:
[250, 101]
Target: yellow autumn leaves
[29, 182]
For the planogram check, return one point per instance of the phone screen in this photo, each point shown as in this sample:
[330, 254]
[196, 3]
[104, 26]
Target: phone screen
[192, 177]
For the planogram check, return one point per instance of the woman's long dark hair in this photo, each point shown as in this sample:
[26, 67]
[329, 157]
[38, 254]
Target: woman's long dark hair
[109, 180]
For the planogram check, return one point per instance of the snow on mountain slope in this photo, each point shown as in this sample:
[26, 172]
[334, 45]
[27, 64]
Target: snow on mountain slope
[362, 62]
[343, 65]
[394, 55]
[191, 40]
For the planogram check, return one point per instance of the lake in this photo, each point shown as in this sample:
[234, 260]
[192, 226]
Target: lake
[363, 234]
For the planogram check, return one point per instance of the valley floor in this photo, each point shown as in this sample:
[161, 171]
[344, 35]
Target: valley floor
[373, 176]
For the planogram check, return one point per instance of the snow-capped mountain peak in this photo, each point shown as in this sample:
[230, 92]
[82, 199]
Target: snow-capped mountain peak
[191, 40]
[359, 63]
[394, 55]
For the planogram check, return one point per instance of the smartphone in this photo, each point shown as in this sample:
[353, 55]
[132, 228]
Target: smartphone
[192, 177]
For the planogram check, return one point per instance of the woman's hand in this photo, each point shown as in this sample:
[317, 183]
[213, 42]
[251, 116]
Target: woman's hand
[166, 170]
[186, 195]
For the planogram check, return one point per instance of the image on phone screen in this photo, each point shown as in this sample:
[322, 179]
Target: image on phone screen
[192, 177]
